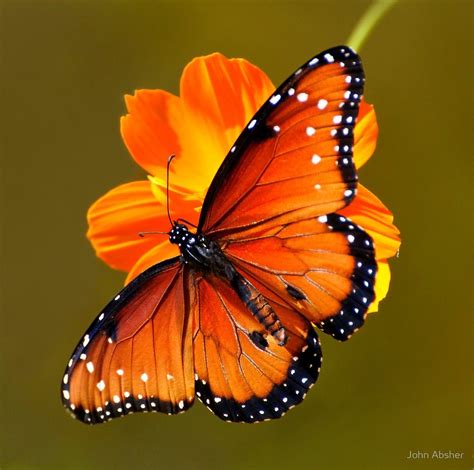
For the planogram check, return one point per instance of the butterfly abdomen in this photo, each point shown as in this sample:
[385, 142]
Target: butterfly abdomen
[259, 307]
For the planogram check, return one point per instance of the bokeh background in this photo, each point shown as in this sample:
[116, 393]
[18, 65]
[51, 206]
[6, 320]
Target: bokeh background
[402, 384]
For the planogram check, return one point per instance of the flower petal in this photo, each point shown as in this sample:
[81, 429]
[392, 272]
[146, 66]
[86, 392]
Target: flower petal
[224, 92]
[382, 283]
[365, 134]
[160, 252]
[218, 97]
[116, 219]
[369, 212]
[151, 130]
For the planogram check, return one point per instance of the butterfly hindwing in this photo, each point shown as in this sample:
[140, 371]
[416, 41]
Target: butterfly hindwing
[324, 267]
[295, 155]
[242, 374]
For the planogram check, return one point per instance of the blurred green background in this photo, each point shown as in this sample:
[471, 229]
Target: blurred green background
[403, 383]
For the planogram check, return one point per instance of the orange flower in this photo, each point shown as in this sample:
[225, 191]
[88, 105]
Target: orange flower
[218, 96]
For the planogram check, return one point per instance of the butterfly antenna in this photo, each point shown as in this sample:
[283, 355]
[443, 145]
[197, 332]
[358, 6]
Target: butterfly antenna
[170, 158]
[143, 234]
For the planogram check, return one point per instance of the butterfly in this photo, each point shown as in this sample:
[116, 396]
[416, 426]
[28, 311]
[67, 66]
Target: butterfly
[232, 319]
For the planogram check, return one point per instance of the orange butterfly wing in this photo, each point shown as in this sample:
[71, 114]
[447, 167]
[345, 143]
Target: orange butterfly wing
[137, 354]
[295, 156]
[242, 374]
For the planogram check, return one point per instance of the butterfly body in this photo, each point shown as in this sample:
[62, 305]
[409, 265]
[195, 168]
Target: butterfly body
[232, 320]
[206, 257]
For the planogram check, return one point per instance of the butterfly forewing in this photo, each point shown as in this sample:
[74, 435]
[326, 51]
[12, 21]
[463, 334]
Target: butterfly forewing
[295, 155]
[137, 355]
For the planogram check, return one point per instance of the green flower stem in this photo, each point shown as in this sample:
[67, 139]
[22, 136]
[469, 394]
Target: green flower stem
[367, 22]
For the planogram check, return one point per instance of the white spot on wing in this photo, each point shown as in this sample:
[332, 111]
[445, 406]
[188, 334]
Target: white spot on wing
[322, 103]
[315, 159]
[310, 131]
[90, 367]
[329, 58]
[302, 97]
[275, 99]
[252, 124]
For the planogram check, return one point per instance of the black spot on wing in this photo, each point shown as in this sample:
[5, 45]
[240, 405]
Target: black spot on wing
[258, 339]
[110, 328]
[295, 293]
[264, 131]
[354, 308]
[301, 376]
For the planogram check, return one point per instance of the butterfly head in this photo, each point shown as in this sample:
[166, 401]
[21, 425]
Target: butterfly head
[181, 236]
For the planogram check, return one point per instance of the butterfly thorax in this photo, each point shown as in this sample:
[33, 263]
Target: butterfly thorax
[205, 255]
[199, 252]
